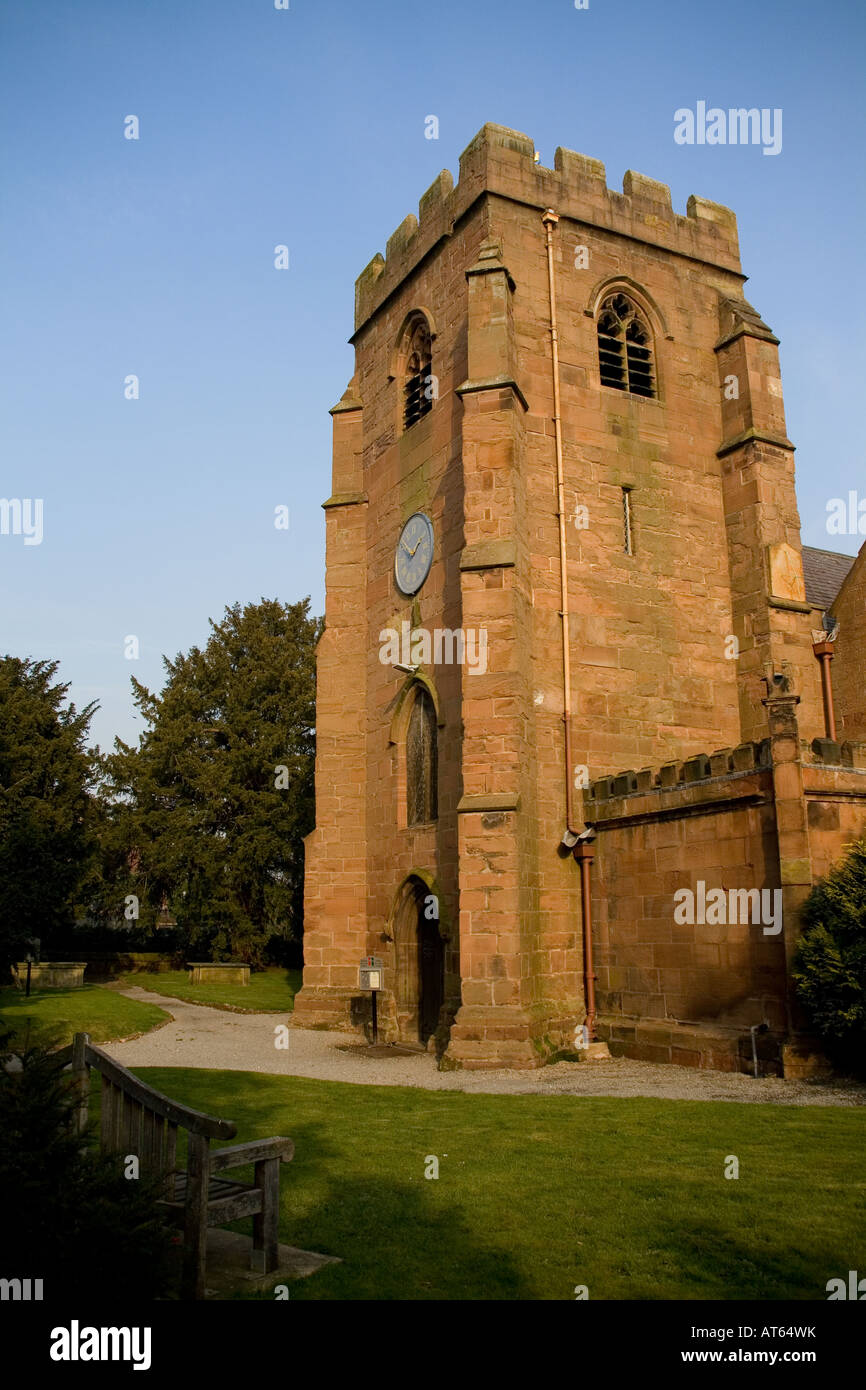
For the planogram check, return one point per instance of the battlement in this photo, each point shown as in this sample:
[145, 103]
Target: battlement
[702, 767]
[832, 754]
[501, 162]
[725, 762]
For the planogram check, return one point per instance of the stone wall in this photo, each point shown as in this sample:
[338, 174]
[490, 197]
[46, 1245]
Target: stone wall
[834, 782]
[685, 992]
[849, 662]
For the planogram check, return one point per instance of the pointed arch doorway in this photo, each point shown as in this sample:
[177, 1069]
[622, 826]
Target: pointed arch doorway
[419, 973]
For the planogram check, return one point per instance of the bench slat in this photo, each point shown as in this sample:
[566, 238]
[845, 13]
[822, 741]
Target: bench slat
[247, 1202]
[238, 1154]
[106, 1118]
[160, 1124]
[217, 1187]
[80, 1083]
[226, 1209]
[170, 1157]
[115, 1113]
[196, 1220]
[130, 1134]
[151, 1126]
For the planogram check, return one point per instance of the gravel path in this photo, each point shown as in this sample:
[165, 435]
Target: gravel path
[200, 1036]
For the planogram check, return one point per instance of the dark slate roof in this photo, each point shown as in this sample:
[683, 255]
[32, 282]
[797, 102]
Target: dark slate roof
[824, 572]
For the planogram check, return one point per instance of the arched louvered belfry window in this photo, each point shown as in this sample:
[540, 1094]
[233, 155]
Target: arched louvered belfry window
[625, 352]
[421, 761]
[418, 380]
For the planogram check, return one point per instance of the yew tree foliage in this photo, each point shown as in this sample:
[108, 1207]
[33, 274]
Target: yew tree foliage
[210, 810]
[830, 966]
[48, 817]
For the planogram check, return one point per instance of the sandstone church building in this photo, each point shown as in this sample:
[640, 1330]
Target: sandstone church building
[577, 670]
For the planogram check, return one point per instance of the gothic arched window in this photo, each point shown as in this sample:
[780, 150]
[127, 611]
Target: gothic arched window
[625, 355]
[417, 380]
[421, 761]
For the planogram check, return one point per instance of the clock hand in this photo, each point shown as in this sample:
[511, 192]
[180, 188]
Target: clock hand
[409, 552]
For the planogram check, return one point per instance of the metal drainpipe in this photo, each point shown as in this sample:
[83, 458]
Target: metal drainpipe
[550, 219]
[757, 1028]
[582, 852]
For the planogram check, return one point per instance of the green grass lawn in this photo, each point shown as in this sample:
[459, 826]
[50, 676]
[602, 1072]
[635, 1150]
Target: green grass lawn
[51, 1016]
[536, 1195]
[269, 991]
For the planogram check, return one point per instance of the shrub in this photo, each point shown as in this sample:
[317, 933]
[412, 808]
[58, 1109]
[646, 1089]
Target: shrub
[830, 964]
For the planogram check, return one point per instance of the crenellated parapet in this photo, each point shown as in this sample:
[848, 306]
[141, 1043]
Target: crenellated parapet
[828, 752]
[702, 767]
[501, 162]
[705, 768]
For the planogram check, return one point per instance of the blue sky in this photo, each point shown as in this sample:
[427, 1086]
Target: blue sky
[305, 127]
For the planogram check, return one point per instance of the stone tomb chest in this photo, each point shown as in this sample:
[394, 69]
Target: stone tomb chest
[222, 972]
[52, 974]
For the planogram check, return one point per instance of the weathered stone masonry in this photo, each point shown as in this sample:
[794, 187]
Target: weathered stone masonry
[689, 993]
[698, 638]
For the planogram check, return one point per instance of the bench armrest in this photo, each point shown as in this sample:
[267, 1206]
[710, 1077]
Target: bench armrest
[236, 1155]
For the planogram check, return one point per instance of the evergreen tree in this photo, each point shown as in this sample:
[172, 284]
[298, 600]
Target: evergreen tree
[70, 1217]
[830, 965]
[210, 811]
[47, 814]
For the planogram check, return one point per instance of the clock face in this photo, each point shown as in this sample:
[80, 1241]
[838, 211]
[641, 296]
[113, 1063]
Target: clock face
[414, 553]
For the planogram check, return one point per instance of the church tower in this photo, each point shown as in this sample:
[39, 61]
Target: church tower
[562, 541]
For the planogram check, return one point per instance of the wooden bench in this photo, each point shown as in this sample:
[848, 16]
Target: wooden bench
[136, 1119]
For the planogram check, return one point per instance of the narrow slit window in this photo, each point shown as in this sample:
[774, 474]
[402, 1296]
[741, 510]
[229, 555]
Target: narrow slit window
[422, 761]
[627, 532]
[625, 356]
